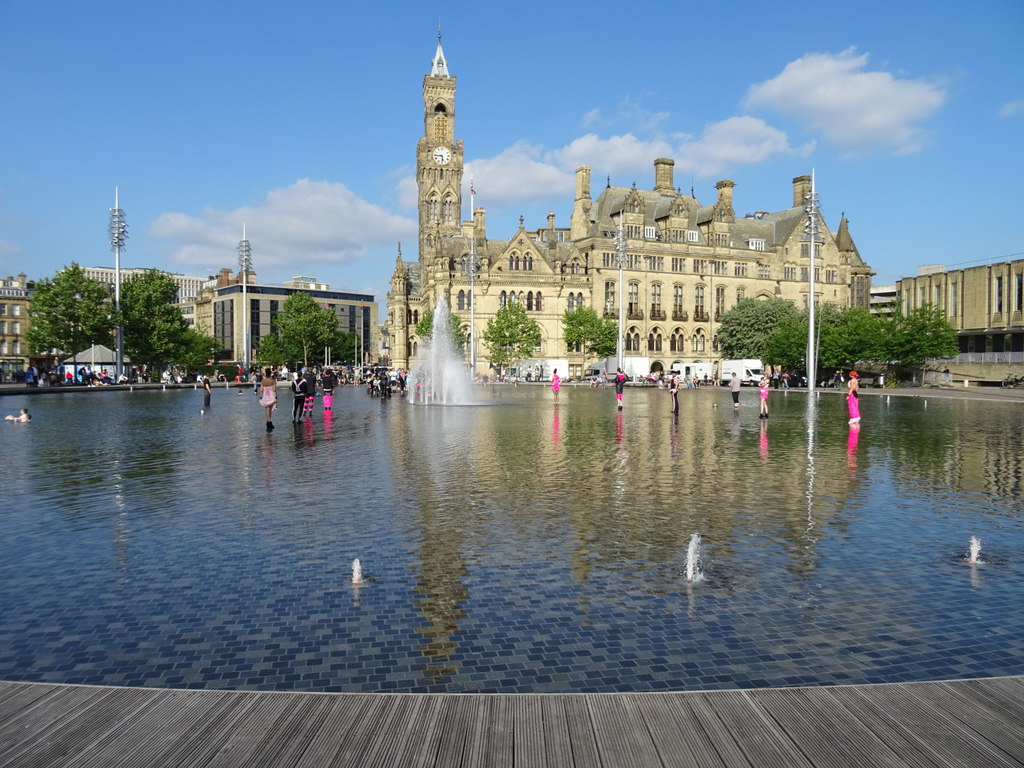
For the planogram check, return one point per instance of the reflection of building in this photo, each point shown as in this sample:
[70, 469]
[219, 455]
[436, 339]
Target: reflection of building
[188, 286]
[15, 295]
[218, 312]
[685, 263]
[984, 303]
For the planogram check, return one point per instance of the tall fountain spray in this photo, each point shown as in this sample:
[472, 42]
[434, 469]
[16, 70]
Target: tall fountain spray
[440, 373]
[693, 573]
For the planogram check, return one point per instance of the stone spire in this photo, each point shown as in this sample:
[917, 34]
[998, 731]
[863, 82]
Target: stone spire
[439, 65]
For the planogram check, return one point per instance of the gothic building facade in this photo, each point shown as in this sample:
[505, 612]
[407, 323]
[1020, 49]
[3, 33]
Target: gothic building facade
[685, 264]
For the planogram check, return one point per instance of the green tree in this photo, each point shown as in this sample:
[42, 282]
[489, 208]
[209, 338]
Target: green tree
[70, 313]
[787, 346]
[852, 335]
[271, 351]
[906, 341]
[154, 328]
[194, 349]
[456, 334]
[305, 326]
[511, 335]
[745, 329]
[597, 336]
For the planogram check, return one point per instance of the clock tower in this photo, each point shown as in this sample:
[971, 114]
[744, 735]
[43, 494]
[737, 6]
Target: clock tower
[438, 160]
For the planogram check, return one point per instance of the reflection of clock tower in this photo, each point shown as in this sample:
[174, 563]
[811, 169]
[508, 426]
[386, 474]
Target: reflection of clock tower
[438, 159]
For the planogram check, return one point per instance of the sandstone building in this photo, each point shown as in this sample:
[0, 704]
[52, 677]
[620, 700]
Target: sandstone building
[686, 263]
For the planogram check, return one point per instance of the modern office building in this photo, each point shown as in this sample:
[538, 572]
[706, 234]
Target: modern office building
[188, 285]
[984, 303]
[219, 312]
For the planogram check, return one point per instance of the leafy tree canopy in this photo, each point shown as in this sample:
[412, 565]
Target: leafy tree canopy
[597, 336]
[155, 331]
[921, 334]
[511, 335]
[305, 326]
[70, 313]
[745, 329]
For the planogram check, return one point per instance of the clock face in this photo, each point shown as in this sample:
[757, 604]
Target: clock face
[442, 155]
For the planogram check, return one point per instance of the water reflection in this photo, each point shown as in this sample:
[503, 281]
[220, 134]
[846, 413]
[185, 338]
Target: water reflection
[514, 545]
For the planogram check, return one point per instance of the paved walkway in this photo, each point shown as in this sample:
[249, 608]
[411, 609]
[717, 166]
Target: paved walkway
[960, 723]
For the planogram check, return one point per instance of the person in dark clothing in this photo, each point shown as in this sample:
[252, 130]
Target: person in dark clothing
[620, 383]
[327, 385]
[299, 390]
[207, 391]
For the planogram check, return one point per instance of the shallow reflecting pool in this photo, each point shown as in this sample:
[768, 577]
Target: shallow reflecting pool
[512, 545]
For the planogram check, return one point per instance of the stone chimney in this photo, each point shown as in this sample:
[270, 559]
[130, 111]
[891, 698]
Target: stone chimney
[479, 228]
[579, 224]
[663, 176]
[724, 205]
[801, 189]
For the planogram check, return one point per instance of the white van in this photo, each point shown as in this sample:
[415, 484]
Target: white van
[748, 370]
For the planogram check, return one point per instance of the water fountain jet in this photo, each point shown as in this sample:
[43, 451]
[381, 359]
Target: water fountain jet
[973, 558]
[440, 372]
[693, 573]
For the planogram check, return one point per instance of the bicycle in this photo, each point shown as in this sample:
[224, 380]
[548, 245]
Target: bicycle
[1011, 381]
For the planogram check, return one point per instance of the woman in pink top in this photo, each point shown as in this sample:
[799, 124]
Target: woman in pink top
[763, 386]
[555, 381]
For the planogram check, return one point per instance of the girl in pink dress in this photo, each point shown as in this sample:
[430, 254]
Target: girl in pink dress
[555, 381]
[763, 391]
[852, 398]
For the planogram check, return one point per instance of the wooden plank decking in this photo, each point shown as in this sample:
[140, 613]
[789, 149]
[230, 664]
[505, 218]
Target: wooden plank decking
[958, 723]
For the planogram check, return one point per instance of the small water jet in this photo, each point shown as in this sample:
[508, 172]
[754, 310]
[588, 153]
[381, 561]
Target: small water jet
[357, 572]
[975, 550]
[693, 573]
[440, 375]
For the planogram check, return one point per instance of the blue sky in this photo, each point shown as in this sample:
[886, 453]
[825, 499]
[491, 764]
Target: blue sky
[300, 120]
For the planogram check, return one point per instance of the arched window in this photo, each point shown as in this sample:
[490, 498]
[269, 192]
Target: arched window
[636, 341]
[517, 262]
[415, 316]
[529, 263]
[502, 300]
[698, 299]
[529, 302]
[511, 263]
[572, 302]
[697, 342]
[579, 299]
[462, 300]
[511, 297]
[540, 302]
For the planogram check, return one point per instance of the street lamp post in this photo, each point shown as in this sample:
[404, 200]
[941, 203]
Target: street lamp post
[472, 281]
[620, 250]
[118, 234]
[245, 264]
[812, 229]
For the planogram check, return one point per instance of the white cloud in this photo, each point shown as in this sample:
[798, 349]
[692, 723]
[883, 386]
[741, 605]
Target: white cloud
[616, 154]
[855, 109]
[1011, 108]
[306, 224]
[733, 142]
[518, 174]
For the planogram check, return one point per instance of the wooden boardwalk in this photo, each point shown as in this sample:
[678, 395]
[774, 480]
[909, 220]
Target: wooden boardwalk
[959, 723]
